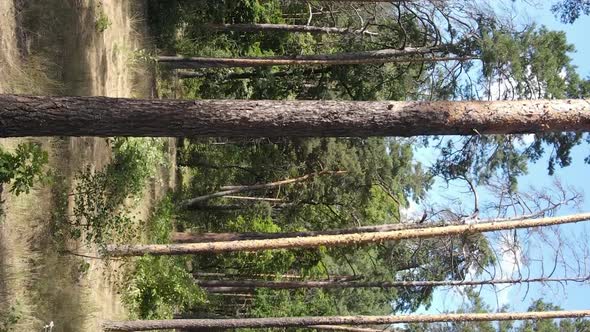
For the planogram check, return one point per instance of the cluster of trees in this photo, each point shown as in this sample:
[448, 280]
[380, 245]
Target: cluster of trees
[296, 172]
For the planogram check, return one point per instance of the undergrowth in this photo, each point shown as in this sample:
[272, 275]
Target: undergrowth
[158, 287]
[104, 199]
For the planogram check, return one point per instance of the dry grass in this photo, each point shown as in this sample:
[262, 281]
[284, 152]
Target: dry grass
[65, 47]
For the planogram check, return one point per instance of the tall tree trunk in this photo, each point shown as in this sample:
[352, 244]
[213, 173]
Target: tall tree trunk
[216, 275]
[409, 54]
[347, 328]
[255, 199]
[146, 325]
[258, 27]
[228, 190]
[335, 240]
[251, 75]
[221, 208]
[239, 285]
[188, 237]
[101, 116]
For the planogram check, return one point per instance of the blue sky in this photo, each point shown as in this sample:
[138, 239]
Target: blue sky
[572, 296]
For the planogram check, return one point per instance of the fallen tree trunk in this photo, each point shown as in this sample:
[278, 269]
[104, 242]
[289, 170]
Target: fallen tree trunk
[335, 240]
[146, 325]
[101, 116]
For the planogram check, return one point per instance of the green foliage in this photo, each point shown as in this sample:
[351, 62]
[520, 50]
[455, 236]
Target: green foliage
[161, 223]
[380, 178]
[98, 207]
[570, 10]
[269, 261]
[23, 167]
[136, 160]
[160, 287]
[100, 210]
[102, 22]
[477, 305]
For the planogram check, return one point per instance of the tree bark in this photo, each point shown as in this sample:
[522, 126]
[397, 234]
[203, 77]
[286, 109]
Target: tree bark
[146, 325]
[101, 116]
[345, 328]
[238, 285]
[335, 240]
[220, 208]
[251, 75]
[266, 276]
[409, 54]
[228, 190]
[255, 199]
[189, 237]
[257, 27]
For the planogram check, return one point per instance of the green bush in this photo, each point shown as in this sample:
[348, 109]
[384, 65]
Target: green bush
[159, 287]
[23, 167]
[160, 225]
[100, 196]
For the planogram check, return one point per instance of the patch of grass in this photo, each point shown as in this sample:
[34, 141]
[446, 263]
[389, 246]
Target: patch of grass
[10, 317]
[34, 76]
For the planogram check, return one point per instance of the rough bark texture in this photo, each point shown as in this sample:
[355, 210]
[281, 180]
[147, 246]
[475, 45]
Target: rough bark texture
[228, 190]
[147, 325]
[253, 27]
[189, 237]
[335, 240]
[237, 285]
[101, 116]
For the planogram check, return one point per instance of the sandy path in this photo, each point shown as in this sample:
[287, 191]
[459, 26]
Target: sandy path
[94, 63]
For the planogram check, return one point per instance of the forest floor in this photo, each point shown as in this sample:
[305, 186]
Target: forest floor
[38, 284]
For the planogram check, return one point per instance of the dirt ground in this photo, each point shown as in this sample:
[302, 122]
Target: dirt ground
[40, 283]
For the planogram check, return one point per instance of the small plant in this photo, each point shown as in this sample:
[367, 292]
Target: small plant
[23, 167]
[9, 318]
[102, 20]
[100, 210]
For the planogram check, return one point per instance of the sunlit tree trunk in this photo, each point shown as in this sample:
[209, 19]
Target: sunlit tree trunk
[346, 328]
[335, 240]
[146, 325]
[189, 237]
[237, 285]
